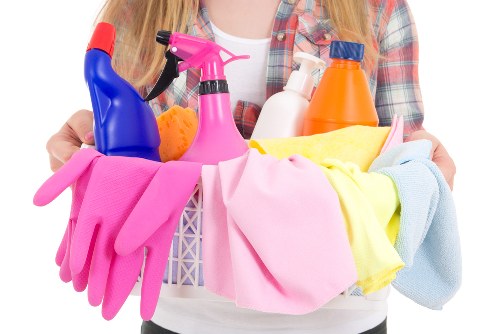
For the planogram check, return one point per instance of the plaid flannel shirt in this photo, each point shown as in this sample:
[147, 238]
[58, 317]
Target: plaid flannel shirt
[300, 25]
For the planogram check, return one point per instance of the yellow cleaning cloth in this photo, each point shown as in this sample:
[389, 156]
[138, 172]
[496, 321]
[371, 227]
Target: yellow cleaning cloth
[370, 205]
[177, 127]
[358, 144]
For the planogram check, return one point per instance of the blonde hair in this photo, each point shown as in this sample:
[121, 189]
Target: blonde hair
[138, 20]
[352, 20]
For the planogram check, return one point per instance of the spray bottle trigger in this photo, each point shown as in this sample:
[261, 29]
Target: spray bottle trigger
[169, 73]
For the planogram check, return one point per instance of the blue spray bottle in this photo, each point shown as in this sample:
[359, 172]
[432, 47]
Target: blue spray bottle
[124, 124]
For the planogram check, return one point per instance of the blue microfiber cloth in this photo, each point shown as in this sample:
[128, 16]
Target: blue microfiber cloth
[428, 240]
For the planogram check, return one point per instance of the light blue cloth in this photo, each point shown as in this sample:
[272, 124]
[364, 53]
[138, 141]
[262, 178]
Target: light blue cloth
[428, 240]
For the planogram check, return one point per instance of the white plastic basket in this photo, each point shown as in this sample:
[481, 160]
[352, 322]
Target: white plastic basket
[185, 264]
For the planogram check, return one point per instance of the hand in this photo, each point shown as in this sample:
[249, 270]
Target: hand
[68, 140]
[439, 155]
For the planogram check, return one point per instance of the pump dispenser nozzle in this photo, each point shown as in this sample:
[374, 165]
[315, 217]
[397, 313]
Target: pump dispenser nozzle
[301, 81]
[283, 113]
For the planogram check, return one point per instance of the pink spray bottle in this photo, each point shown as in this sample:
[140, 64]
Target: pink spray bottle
[217, 138]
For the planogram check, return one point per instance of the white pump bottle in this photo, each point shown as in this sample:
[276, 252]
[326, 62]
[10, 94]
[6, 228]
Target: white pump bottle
[283, 113]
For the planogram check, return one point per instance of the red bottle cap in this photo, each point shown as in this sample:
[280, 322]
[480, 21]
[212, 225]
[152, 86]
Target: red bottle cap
[103, 38]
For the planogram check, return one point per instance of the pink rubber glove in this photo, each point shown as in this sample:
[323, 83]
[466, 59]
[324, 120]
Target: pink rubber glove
[114, 187]
[151, 225]
[77, 172]
[395, 137]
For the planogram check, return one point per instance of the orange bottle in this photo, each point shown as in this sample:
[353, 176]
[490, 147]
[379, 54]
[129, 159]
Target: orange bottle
[343, 97]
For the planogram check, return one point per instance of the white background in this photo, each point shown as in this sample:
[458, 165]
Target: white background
[41, 77]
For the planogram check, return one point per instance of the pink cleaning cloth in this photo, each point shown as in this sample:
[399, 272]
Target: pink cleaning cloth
[273, 234]
[395, 137]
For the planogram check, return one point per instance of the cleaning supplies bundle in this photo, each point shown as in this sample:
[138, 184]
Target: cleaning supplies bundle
[137, 219]
[256, 219]
[95, 250]
[106, 188]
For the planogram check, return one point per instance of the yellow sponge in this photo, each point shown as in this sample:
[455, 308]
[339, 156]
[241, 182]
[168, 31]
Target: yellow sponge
[177, 128]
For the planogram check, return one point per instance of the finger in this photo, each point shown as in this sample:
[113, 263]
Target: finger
[61, 147]
[447, 168]
[423, 134]
[123, 275]
[169, 189]
[82, 240]
[81, 125]
[156, 262]
[61, 251]
[448, 176]
[81, 279]
[445, 163]
[67, 175]
[450, 182]
[55, 164]
[99, 268]
[65, 271]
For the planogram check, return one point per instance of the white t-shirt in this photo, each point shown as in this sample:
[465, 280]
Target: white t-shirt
[246, 77]
[191, 309]
[195, 310]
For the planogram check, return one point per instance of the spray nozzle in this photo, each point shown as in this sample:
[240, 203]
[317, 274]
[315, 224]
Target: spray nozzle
[194, 52]
[163, 37]
[301, 81]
